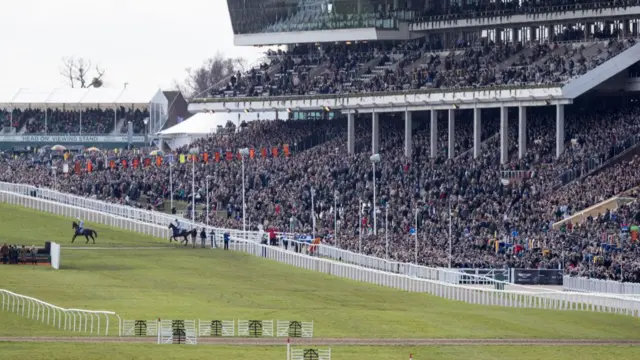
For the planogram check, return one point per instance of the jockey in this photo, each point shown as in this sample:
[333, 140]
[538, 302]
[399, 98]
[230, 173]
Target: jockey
[178, 225]
[80, 224]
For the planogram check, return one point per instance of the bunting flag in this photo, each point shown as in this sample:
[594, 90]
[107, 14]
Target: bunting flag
[217, 156]
[205, 157]
[285, 148]
[252, 153]
[124, 163]
[77, 167]
[274, 152]
[147, 161]
[112, 164]
[229, 156]
[136, 163]
[89, 166]
[158, 160]
[263, 152]
[182, 159]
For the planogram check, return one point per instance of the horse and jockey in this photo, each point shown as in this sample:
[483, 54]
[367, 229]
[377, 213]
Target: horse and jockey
[179, 231]
[80, 230]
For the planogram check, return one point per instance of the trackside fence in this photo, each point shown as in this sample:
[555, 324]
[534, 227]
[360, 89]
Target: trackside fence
[470, 294]
[583, 284]
[75, 320]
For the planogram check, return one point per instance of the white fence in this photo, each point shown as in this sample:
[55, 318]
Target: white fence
[469, 294]
[76, 320]
[582, 284]
[145, 221]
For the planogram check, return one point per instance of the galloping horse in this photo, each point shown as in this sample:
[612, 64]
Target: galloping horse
[87, 233]
[184, 234]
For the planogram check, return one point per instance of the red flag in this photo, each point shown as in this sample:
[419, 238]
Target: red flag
[136, 162]
[158, 160]
[89, 166]
[274, 152]
[252, 153]
[217, 156]
[263, 152]
[124, 163]
[229, 156]
[285, 147]
[77, 167]
[205, 158]
[112, 164]
[147, 162]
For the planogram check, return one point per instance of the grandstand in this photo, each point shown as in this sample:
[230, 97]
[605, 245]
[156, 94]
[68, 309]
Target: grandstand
[435, 89]
[93, 116]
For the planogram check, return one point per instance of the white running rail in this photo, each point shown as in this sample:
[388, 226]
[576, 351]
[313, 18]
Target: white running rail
[582, 284]
[76, 320]
[470, 294]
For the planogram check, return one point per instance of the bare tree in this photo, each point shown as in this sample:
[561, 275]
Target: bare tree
[79, 73]
[214, 73]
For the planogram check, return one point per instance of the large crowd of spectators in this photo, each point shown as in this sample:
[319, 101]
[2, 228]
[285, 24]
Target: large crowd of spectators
[484, 208]
[421, 65]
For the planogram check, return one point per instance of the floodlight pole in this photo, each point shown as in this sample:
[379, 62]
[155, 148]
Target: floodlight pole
[375, 227]
[244, 205]
[360, 226]
[450, 226]
[416, 238]
[313, 217]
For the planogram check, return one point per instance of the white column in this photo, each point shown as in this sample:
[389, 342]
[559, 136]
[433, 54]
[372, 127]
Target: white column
[375, 133]
[504, 135]
[452, 133]
[351, 133]
[407, 133]
[559, 130]
[434, 133]
[522, 131]
[477, 140]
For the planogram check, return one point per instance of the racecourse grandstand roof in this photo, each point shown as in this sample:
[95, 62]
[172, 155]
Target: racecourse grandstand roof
[88, 97]
[198, 124]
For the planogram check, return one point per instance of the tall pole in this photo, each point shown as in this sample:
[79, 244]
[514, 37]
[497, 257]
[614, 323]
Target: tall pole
[335, 219]
[207, 211]
[386, 228]
[171, 180]
[416, 238]
[450, 222]
[360, 227]
[375, 227]
[313, 217]
[193, 188]
[244, 206]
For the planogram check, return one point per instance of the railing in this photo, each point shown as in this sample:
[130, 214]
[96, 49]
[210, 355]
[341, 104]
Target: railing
[469, 294]
[582, 284]
[75, 320]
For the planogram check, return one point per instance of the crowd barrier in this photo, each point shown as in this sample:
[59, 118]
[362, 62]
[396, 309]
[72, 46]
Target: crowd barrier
[76, 320]
[582, 284]
[470, 294]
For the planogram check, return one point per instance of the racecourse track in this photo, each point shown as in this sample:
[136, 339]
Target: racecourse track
[334, 341]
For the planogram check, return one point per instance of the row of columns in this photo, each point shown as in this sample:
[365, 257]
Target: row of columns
[477, 129]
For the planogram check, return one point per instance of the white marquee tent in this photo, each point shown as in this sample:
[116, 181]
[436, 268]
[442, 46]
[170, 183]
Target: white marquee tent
[203, 124]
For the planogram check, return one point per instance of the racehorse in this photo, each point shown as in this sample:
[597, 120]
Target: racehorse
[184, 234]
[87, 233]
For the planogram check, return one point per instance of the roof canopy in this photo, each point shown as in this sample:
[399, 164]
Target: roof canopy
[91, 97]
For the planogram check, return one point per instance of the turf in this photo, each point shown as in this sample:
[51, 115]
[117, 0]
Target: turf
[185, 283]
[57, 351]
